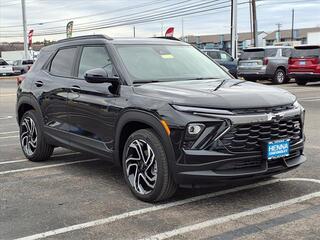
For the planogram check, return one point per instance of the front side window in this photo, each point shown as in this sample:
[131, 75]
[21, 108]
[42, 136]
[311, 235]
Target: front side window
[146, 63]
[62, 63]
[225, 57]
[94, 57]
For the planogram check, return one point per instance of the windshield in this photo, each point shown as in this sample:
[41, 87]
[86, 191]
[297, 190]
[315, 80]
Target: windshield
[152, 63]
[306, 52]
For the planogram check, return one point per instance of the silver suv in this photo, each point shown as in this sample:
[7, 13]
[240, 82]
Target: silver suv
[267, 63]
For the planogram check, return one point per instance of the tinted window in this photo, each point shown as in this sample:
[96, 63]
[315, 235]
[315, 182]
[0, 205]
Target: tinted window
[286, 52]
[271, 52]
[62, 63]
[3, 62]
[214, 54]
[306, 52]
[94, 57]
[26, 62]
[252, 54]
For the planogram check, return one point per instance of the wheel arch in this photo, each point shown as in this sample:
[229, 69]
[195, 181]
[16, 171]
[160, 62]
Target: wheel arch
[27, 103]
[133, 120]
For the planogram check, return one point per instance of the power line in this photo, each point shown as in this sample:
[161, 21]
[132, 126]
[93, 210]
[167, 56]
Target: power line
[140, 16]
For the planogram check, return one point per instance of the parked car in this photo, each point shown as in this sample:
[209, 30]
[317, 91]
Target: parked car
[224, 59]
[22, 66]
[5, 68]
[265, 63]
[304, 64]
[164, 120]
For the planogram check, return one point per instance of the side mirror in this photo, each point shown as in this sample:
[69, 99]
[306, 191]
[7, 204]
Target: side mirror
[99, 75]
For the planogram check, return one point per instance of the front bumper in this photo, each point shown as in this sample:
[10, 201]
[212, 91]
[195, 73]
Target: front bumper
[208, 165]
[235, 167]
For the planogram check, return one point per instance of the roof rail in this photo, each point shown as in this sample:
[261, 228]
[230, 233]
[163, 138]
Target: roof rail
[169, 38]
[85, 37]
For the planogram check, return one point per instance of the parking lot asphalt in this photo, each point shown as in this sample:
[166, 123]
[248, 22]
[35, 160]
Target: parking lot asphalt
[78, 196]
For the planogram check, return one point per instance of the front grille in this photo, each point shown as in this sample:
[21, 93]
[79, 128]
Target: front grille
[248, 137]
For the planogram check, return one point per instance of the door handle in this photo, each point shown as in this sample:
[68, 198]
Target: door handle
[38, 83]
[75, 88]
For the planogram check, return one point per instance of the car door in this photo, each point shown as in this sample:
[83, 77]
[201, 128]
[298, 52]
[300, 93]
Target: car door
[51, 89]
[92, 106]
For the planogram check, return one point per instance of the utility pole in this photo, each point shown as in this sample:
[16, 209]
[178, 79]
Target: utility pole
[25, 36]
[250, 10]
[254, 23]
[234, 30]
[134, 31]
[292, 26]
[161, 29]
[279, 32]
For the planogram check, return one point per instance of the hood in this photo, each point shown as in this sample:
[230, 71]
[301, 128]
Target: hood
[232, 94]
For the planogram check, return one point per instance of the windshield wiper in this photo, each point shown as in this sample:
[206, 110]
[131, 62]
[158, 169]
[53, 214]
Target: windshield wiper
[220, 85]
[148, 81]
[201, 78]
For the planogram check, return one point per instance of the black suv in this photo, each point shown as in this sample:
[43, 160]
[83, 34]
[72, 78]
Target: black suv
[160, 109]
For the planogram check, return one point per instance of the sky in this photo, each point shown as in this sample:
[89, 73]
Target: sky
[51, 16]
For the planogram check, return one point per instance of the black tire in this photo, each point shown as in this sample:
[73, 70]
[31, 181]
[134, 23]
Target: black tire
[301, 82]
[280, 77]
[42, 151]
[164, 186]
[250, 79]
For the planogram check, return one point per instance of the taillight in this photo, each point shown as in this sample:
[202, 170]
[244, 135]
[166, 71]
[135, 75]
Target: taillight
[265, 61]
[20, 79]
[290, 61]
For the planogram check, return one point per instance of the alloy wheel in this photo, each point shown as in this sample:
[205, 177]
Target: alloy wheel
[141, 167]
[28, 136]
[280, 77]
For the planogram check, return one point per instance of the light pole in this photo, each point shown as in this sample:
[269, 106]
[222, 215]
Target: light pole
[234, 31]
[25, 36]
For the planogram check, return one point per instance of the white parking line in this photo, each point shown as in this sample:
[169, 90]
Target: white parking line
[14, 136]
[5, 133]
[25, 160]
[5, 118]
[47, 166]
[165, 206]
[8, 95]
[231, 217]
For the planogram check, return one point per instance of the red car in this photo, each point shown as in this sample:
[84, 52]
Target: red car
[304, 64]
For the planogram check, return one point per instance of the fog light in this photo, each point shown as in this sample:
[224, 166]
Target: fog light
[194, 130]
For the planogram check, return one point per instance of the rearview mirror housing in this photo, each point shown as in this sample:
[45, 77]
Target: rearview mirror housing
[99, 75]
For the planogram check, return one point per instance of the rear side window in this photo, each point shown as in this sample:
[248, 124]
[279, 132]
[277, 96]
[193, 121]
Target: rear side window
[214, 54]
[62, 63]
[306, 52]
[271, 52]
[286, 52]
[94, 57]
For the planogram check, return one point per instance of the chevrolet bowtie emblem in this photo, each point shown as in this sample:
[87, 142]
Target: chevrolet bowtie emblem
[275, 116]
